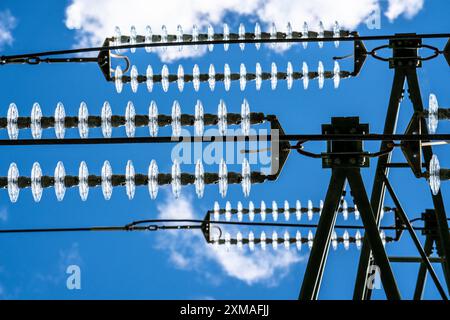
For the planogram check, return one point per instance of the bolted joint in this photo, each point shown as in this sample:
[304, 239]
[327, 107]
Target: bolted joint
[346, 154]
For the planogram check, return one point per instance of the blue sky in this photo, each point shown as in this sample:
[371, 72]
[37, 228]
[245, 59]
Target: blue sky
[180, 266]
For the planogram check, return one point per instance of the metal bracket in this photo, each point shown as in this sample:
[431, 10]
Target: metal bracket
[206, 228]
[279, 150]
[447, 52]
[431, 229]
[405, 52]
[412, 150]
[360, 55]
[430, 224]
[345, 154]
[399, 227]
[104, 61]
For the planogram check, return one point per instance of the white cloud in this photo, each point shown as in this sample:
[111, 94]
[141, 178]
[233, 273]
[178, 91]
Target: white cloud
[7, 24]
[408, 8]
[95, 20]
[189, 250]
[66, 257]
[281, 11]
[70, 256]
[3, 214]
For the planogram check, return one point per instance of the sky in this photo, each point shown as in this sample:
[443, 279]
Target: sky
[179, 264]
